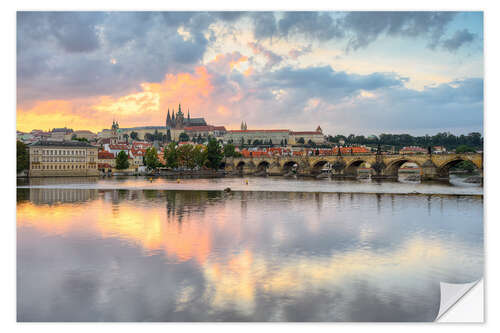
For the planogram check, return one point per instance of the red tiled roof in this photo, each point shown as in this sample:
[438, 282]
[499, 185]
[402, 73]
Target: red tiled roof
[105, 155]
[104, 165]
[306, 133]
[118, 147]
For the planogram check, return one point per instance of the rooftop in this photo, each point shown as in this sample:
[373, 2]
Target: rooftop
[78, 144]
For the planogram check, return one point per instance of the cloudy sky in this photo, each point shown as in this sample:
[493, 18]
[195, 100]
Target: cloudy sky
[350, 72]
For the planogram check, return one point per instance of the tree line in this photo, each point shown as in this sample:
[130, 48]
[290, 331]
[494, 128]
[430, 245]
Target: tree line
[186, 156]
[445, 139]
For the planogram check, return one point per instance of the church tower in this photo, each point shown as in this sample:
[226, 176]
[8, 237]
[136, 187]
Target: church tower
[168, 119]
[179, 122]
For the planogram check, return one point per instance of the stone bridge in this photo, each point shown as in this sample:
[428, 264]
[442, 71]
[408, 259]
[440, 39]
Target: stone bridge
[432, 167]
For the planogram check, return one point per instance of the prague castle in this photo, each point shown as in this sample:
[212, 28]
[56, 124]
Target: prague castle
[177, 123]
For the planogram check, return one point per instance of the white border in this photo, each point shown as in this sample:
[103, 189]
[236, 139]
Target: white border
[491, 131]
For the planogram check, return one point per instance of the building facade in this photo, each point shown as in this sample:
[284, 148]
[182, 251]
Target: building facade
[314, 136]
[64, 158]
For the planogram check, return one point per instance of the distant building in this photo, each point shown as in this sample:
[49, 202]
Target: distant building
[245, 136]
[61, 134]
[439, 149]
[85, 135]
[412, 150]
[205, 131]
[314, 136]
[62, 158]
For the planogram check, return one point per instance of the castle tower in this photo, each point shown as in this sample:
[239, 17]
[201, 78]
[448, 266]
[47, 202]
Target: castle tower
[179, 122]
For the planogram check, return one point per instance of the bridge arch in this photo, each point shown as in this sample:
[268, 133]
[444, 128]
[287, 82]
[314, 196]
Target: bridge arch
[392, 168]
[289, 165]
[443, 170]
[263, 166]
[240, 165]
[351, 169]
[317, 166]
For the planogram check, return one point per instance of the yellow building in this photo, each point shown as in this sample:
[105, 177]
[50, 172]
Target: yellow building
[62, 158]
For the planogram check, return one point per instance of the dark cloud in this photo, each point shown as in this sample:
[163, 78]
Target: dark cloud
[264, 25]
[324, 81]
[366, 27]
[311, 24]
[80, 54]
[359, 29]
[460, 38]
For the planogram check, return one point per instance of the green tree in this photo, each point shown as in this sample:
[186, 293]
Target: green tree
[126, 136]
[466, 166]
[151, 158]
[134, 135]
[464, 149]
[170, 155]
[301, 141]
[214, 154]
[185, 156]
[229, 150]
[200, 155]
[23, 160]
[183, 137]
[169, 136]
[122, 160]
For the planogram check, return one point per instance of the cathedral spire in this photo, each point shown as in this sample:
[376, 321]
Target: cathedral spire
[168, 118]
[189, 118]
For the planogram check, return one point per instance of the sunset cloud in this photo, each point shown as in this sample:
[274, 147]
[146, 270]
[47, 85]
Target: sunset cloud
[365, 71]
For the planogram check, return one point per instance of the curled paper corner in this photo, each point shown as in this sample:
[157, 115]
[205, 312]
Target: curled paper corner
[451, 293]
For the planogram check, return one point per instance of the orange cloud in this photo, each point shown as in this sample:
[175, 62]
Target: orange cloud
[136, 109]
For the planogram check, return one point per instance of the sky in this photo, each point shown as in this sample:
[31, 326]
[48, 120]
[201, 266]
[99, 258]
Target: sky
[349, 72]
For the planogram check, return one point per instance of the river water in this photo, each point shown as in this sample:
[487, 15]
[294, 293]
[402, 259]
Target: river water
[134, 249]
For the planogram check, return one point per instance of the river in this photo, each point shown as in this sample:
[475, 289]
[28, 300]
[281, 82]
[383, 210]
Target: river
[271, 249]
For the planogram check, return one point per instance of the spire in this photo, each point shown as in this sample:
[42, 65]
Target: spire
[168, 118]
[189, 118]
[242, 127]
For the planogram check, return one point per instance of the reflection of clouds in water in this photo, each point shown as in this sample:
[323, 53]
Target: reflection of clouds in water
[276, 258]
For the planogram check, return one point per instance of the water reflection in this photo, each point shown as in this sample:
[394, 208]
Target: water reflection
[119, 255]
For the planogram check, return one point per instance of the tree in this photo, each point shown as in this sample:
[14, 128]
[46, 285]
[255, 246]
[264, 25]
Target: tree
[149, 137]
[466, 165]
[229, 150]
[134, 135]
[185, 156]
[151, 158]
[23, 160]
[169, 136]
[214, 154]
[170, 155]
[301, 141]
[200, 155]
[126, 136]
[464, 149]
[122, 161]
[183, 137]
